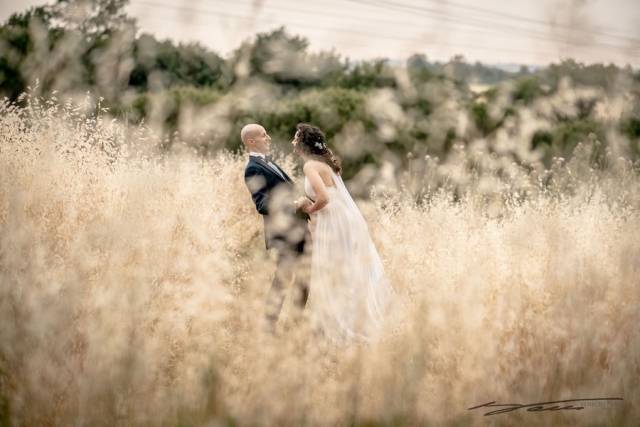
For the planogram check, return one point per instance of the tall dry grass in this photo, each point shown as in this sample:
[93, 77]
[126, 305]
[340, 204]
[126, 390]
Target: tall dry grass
[132, 285]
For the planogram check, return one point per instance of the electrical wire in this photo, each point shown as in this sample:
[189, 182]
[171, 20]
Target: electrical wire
[385, 4]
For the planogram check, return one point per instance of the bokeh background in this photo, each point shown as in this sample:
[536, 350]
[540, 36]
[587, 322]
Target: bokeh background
[501, 190]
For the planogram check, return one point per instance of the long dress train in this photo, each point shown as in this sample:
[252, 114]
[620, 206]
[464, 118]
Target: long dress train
[349, 294]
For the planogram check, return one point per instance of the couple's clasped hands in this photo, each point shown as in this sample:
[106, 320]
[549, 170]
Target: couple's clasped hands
[303, 204]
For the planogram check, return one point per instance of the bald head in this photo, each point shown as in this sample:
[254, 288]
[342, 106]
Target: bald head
[249, 131]
[255, 138]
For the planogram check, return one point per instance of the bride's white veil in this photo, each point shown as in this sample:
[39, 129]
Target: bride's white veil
[346, 197]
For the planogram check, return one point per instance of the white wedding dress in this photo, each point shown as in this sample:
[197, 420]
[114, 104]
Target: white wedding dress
[350, 295]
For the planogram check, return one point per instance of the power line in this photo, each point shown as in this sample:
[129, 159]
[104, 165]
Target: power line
[483, 24]
[348, 31]
[440, 14]
[292, 24]
[294, 10]
[467, 47]
[601, 30]
[494, 13]
[490, 26]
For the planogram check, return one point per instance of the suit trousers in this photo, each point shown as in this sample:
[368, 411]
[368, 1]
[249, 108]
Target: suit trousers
[292, 261]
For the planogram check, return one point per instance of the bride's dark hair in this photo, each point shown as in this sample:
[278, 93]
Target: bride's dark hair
[313, 144]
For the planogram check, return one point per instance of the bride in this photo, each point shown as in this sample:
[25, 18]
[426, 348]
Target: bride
[350, 294]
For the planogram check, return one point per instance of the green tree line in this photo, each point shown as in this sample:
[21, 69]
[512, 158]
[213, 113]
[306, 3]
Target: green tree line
[372, 111]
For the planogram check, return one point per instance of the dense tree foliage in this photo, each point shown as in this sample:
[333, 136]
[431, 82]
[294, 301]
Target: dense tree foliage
[372, 111]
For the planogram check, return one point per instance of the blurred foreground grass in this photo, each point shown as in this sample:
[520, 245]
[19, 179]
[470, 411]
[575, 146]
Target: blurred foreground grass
[132, 284]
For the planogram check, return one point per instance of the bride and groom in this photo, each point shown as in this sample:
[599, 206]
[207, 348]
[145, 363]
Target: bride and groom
[349, 295]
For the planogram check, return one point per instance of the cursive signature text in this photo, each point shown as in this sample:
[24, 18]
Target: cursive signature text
[536, 407]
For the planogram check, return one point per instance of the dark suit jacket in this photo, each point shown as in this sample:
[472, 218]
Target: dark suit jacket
[274, 199]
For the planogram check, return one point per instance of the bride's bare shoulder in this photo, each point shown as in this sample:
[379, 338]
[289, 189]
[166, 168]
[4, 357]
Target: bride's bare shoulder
[314, 165]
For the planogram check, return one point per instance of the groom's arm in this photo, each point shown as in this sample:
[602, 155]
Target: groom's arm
[257, 185]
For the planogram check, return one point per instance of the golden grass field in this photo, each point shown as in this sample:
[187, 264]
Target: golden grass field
[132, 286]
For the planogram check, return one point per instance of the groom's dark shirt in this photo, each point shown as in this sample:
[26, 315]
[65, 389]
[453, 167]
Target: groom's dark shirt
[273, 193]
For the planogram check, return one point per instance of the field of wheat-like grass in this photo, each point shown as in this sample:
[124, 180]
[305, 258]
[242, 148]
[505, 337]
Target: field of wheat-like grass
[132, 286]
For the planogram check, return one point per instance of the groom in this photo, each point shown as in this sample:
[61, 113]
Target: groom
[285, 224]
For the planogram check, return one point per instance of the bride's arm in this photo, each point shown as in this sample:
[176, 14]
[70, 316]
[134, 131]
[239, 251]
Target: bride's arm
[311, 170]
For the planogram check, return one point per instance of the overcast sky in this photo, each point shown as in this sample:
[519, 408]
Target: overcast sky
[490, 31]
